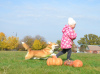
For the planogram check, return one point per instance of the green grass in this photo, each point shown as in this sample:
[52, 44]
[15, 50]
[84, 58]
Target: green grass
[12, 62]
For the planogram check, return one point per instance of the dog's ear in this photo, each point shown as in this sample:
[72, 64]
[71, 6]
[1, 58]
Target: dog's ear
[49, 42]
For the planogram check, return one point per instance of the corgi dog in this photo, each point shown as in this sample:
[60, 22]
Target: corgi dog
[44, 53]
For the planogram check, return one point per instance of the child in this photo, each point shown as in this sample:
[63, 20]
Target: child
[67, 39]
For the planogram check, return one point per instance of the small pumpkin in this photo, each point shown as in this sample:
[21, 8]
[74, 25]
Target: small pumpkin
[77, 63]
[54, 61]
[68, 63]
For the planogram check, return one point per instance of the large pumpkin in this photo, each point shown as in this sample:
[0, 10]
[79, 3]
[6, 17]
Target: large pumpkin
[54, 61]
[77, 63]
[68, 63]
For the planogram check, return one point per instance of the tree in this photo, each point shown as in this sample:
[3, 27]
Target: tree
[3, 44]
[10, 43]
[58, 42]
[42, 40]
[44, 44]
[59, 45]
[2, 37]
[37, 45]
[83, 48]
[20, 47]
[90, 39]
[28, 40]
[38, 37]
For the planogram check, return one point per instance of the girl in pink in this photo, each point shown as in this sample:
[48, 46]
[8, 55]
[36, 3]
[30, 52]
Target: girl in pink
[67, 38]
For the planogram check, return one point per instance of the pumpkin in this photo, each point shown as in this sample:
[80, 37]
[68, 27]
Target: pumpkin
[54, 61]
[68, 63]
[77, 63]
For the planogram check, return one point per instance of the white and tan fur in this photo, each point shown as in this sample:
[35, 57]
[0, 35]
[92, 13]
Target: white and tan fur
[36, 54]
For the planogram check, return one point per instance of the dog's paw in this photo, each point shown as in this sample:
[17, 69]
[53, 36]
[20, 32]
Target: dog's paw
[36, 58]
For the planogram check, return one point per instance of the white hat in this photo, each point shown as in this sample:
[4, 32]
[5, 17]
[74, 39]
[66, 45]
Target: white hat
[71, 21]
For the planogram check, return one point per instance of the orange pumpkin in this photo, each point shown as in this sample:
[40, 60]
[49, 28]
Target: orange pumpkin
[54, 61]
[77, 63]
[68, 62]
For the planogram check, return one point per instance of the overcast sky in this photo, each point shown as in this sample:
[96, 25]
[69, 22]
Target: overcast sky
[47, 17]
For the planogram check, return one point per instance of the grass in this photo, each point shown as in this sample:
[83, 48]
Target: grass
[12, 62]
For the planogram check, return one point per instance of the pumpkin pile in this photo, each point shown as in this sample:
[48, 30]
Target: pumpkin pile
[54, 61]
[58, 61]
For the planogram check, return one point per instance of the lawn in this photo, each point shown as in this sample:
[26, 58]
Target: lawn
[12, 62]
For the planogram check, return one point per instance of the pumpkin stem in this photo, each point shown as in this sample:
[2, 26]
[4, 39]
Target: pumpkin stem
[54, 56]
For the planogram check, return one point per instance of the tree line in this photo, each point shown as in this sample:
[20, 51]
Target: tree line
[13, 43]
[88, 39]
[38, 42]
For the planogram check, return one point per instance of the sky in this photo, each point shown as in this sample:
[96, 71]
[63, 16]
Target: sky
[48, 17]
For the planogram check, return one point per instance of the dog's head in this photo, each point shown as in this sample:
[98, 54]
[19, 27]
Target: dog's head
[52, 46]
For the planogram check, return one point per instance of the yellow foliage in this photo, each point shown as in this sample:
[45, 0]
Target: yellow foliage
[3, 44]
[12, 42]
[8, 43]
[2, 36]
[43, 44]
[37, 45]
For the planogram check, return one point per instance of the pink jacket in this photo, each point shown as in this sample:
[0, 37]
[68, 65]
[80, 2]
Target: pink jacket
[67, 38]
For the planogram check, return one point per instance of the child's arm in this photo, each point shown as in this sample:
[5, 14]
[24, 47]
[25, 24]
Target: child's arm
[71, 34]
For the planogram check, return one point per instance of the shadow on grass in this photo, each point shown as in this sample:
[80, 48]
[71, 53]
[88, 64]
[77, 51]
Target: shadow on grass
[64, 59]
[37, 59]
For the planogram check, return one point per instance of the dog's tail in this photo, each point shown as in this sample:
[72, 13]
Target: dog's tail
[25, 46]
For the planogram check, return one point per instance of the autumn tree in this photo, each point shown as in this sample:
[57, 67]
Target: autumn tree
[38, 37]
[10, 43]
[37, 45]
[2, 37]
[44, 44]
[42, 40]
[20, 47]
[28, 40]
